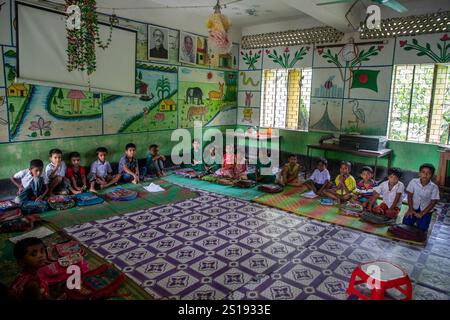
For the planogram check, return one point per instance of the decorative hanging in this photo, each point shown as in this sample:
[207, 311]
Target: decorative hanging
[218, 25]
[81, 42]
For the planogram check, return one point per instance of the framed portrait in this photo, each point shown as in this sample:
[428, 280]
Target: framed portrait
[158, 43]
[188, 48]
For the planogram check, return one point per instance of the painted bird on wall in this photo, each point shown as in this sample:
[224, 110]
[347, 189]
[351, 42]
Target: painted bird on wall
[358, 112]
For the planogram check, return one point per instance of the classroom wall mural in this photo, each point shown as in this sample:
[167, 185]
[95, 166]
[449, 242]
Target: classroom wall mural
[156, 109]
[369, 83]
[365, 116]
[250, 59]
[327, 83]
[249, 99]
[41, 112]
[248, 116]
[430, 48]
[250, 80]
[205, 95]
[325, 115]
[288, 57]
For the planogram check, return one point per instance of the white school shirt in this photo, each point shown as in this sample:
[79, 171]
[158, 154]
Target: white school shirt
[26, 177]
[422, 195]
[61, 170]
[389, 195]
[320, 177]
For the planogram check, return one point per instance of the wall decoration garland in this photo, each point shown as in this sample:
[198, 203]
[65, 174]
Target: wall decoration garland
[81, 43]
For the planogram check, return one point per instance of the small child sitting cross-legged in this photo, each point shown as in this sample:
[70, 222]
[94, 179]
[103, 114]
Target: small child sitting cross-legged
[229, 160]
[344, 184]
[101, 171]
[56, 174]
[212, 160]
[289, 173]
[320, 177]
[240, 169]
[129, 167]
[391, 191]
[364, 188]
[423, 195]
[33, 184]
[76, 172]
[155, 161]
[31, 255]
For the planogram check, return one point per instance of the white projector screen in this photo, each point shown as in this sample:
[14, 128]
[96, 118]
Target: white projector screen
[42, 57]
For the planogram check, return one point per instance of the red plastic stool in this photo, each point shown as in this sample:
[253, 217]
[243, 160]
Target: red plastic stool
[379, 277]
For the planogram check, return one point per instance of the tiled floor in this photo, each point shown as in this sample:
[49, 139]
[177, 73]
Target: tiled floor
[216, 247]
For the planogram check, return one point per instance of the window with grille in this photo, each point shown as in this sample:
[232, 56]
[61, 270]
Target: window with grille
[420, 103]
[286, 98]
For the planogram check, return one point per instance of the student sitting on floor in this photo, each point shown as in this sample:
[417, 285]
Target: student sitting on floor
[259, 176]
[56, 174]
[289, 173]
[31, 255]
[391, 191]
[196, 156]
[155, 162]
[320, 177]
[101, 171]
[240, 168]
[227, 170]
[423, 195]
[129, 167]
[76, 173]
[212, 161]
[364, 188]
[344, 184]
[33, 184]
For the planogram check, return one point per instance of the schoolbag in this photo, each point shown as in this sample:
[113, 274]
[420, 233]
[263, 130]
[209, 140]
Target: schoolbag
[121, 194]
[351, 209]
[56, 272]
[33, 206]
[270, 188]
[59, 250]
[61, 202]
[376, 218]
[100, 283]
[7, 205]
[410, 233]
[88, 199]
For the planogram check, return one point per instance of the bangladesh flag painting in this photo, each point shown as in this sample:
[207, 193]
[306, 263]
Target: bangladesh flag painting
[364, 78]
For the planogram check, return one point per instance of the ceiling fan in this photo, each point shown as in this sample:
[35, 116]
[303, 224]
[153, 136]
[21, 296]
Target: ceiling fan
[393, 4]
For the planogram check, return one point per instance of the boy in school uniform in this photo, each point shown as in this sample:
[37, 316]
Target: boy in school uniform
[101, 171]
[56, 174]
[345, 183]
[76, 172]
[423, 195]
[155, 161]
[33, 184]
[320, 177]
[129, 167]
[391, 191]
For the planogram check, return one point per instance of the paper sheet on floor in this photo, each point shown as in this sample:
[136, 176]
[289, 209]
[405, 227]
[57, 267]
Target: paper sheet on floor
[310, 195]
[40, 233]
[153, 188]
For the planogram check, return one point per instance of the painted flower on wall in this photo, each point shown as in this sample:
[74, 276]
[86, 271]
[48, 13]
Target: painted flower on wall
[251, 58]
[284, 59]
[440, 56]
[41, 126]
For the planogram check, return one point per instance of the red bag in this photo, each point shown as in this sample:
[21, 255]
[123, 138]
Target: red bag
[100, 283]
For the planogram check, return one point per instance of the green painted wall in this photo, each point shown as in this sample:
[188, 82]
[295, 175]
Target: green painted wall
[16, 156]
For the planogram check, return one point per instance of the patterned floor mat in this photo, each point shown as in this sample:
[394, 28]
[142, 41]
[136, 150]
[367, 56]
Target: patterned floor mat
[217, 247]
[291, 200]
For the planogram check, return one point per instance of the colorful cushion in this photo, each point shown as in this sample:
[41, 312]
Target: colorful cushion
[88, 199]
[376, 218]
[61, 202]
[270, 188]
[6, 205]
[34, 207]
[121, 194]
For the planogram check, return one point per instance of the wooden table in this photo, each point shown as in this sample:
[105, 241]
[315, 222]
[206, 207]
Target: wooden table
[363, 153]
[442, 170]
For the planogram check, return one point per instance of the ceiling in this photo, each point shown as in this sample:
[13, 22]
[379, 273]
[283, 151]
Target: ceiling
[246, 13]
